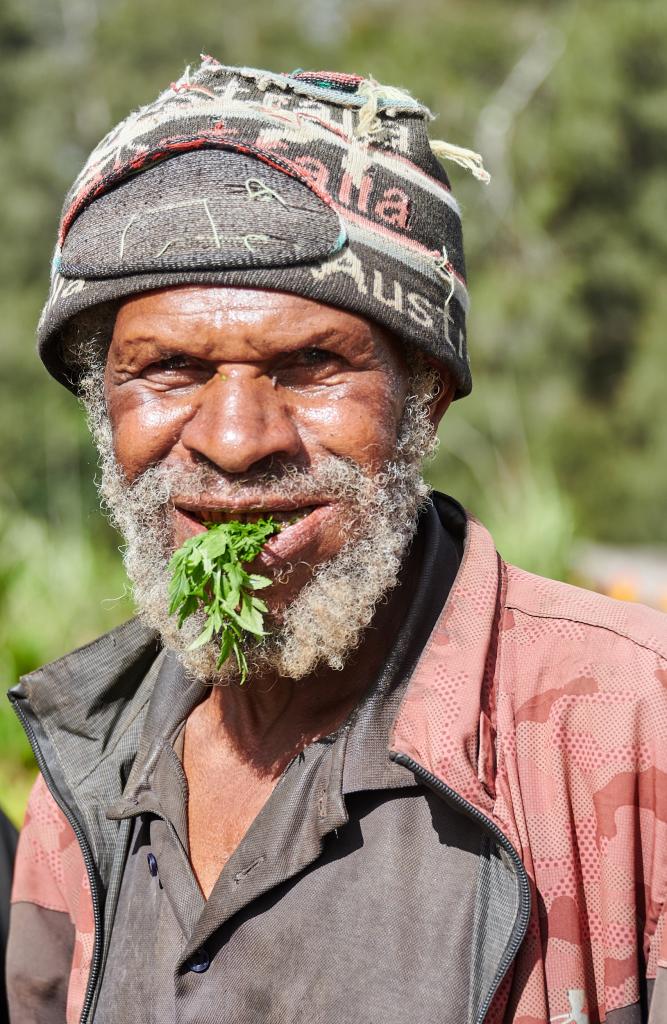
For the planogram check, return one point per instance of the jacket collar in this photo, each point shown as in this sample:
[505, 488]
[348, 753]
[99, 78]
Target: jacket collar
[447, 720]
[90, 697]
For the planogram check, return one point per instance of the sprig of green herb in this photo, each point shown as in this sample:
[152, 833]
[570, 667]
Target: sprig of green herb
[207, 572]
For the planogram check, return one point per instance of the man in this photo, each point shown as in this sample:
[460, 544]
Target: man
[440, 794]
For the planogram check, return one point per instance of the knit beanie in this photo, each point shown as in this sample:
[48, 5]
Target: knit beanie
[320, 184]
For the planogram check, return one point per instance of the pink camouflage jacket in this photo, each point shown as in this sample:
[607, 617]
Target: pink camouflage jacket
[541, 709]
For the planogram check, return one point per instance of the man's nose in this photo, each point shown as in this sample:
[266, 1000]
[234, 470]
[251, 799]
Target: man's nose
[241, 420]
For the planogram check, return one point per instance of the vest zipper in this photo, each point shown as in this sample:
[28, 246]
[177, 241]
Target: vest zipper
[85, 850]
[523, 917]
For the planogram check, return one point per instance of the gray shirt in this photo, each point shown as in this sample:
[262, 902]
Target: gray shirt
[350, 899]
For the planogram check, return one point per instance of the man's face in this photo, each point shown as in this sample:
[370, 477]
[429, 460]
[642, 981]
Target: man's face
[220, 403]
[253, 384]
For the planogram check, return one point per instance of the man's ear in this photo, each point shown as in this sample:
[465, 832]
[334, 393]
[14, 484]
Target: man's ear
[444, 397]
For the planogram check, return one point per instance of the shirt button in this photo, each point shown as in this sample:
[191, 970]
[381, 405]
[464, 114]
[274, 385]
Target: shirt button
[199, 962]
[152, 864]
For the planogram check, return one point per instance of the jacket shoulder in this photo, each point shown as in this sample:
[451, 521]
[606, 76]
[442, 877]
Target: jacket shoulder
[49, 870]
[600, 619]
[581, 716]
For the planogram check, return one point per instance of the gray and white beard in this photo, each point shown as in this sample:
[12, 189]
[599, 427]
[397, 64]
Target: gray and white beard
[327, 618]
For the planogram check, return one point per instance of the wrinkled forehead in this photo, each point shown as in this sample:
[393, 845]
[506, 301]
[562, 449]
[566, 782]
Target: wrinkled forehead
[248, 324]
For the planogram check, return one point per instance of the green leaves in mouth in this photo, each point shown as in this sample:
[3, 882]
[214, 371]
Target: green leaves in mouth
[207, 572]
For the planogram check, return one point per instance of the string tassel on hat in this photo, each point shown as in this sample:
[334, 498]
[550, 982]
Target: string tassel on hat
[463, 157]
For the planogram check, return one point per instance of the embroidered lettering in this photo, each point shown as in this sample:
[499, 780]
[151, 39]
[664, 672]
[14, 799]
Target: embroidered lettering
[394, 207]
[346, 263]
[378, 291]
[315, 170]
[362, 193]
[419, 309]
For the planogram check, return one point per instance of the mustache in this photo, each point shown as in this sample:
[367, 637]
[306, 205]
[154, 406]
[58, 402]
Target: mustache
[333, 477]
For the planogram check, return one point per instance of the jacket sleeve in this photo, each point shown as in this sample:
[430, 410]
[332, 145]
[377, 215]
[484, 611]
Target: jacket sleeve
[49, 918]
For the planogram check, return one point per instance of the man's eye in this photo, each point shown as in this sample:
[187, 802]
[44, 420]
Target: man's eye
[309, 366]
[175, 369]
[314, 356]
[172, 363]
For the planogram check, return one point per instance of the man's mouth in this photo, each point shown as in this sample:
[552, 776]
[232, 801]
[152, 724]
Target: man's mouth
[300, 531]
[284, 517]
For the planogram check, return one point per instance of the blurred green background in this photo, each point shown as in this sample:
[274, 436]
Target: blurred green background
[564, 439]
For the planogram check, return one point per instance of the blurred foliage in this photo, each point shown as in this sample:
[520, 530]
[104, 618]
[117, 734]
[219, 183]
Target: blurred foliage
[565, 433]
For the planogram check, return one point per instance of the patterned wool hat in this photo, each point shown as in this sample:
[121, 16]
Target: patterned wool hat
[321, 184]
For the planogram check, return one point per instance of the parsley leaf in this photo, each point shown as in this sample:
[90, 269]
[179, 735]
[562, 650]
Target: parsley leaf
[207, 572]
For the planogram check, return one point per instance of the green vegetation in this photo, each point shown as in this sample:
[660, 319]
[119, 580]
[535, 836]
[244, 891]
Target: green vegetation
[208, 573]
[565, 434]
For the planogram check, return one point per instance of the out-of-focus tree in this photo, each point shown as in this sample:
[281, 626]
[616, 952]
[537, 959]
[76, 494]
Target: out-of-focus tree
[565, 433]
